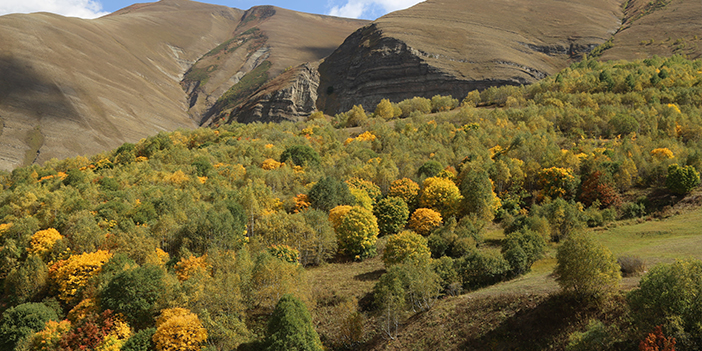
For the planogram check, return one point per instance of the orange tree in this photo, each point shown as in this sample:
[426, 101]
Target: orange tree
[424, 221]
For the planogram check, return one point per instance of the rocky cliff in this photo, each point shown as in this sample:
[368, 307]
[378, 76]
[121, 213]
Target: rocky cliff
[289, 97]
[451, 47]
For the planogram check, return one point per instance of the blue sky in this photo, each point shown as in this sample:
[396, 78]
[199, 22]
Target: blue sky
[366, 9]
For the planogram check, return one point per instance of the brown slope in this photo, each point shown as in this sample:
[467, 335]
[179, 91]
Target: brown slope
[268, 36]
[661, 27]
[70, 86]
[454, 46]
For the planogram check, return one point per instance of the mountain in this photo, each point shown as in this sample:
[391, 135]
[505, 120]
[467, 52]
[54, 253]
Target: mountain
[451, 47]
[72, 87]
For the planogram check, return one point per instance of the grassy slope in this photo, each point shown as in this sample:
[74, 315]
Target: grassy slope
[522, 313]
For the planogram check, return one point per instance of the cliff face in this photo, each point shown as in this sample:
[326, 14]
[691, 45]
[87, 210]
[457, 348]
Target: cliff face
[289, 97]
[451, 47]
[369, 67]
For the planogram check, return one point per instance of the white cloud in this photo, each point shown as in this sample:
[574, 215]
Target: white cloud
[370, 8]
[72, 8]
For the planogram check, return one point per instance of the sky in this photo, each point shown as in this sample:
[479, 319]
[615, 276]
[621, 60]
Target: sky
[365, 9]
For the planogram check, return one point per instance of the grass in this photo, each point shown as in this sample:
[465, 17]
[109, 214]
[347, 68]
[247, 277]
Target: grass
[35, 140]
[246, 86]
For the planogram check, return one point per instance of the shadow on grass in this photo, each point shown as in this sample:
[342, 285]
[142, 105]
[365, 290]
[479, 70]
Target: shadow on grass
[370, 276]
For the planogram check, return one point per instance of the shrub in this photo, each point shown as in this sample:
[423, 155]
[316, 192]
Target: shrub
[631, 265]
[443, 103]
[406, 245]
[632, 210]
[357, 234]
[681, 180]
[385, 110]
[356, 116]
[482, 268]
[472, 99]
[290, 327]
[392, 214]
[416, 104]
[657, 341]
[586, 268]
[140, 341]
[424, 220]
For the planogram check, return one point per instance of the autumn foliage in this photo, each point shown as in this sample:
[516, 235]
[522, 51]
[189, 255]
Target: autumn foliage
[656, 341]
[178, 329]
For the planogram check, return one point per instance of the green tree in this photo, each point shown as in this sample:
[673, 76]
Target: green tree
[586, 268]
[356, 116]
[429, 169]
[392, 214]
[478, 198]
[522, 248]
[358, 232]
[669, 295]
[140, 341]
[681, 180]
[290, 327]
[329, 193]
[22, 321]
[300, 155]
[135, 293]
[406, 245]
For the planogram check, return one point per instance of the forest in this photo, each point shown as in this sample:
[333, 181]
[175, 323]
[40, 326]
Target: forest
[204, 239]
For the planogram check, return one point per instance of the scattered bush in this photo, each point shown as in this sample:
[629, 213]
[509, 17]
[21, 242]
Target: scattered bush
[586, 268]
[404, 246]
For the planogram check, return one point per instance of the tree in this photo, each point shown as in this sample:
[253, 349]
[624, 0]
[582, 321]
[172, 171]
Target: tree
[356, 116]
[290, 327]
[22, 321]
[597, 188]
[558, 182]
[657, 341]
[424, 220]
[668, 296]
[369, 187]
[300, 155]
[407, 190]
[357, 234]
[135, 294]
[329, 193]
[73, 274]
[406, 245]
[442, 195]
[392, 214]
[681, 180]
[522, 248]
[385, 110]
[178, 329]
[140, 341]
[43, 242]
[586, 268]
[479, 201]
[430, 169]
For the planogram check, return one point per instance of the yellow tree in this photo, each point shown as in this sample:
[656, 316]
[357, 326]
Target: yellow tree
[406, 245]
[178, 329]
[442, 195]
[72, 275]
[424, 221]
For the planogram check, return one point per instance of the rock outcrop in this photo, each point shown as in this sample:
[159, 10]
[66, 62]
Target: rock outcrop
[291, 96]
[450, 47]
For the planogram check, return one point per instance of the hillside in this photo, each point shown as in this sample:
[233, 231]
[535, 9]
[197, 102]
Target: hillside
[75, 87]
[455, 46]
[443, 227]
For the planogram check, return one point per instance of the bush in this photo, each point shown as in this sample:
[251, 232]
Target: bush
[631, 265]
[417, 104]
[454, 239]
[290, 327]
[586, 268]
[443, 103]
[482, 268]
[385, 110]
[22, 321]
[632, 210]
[442, 195]
[404, 246]
[445, 269]
[681, 180]
[392, 214]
